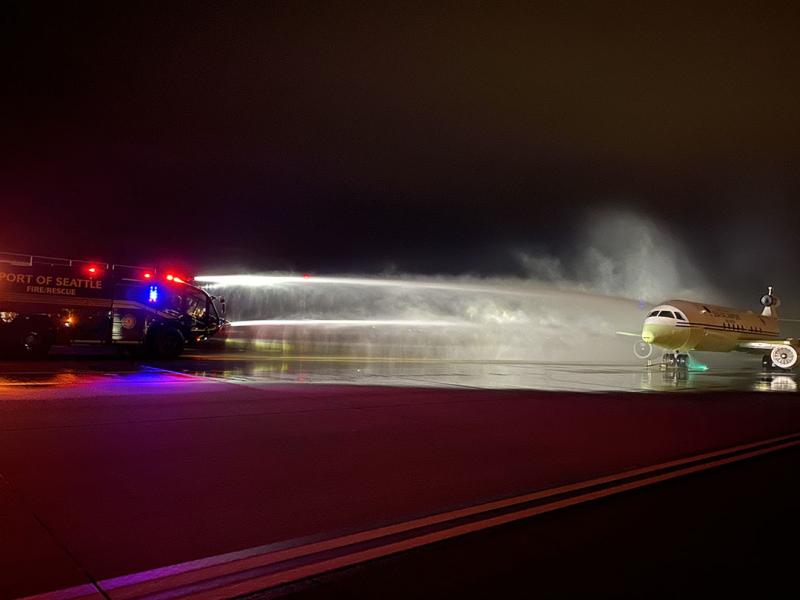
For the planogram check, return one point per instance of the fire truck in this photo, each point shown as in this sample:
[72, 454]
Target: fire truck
[46, 301]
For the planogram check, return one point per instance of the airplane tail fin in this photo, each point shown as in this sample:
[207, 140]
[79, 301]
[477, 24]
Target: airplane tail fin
[770, 304]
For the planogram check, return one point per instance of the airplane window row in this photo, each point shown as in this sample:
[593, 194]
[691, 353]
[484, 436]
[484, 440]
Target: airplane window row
[742, 327]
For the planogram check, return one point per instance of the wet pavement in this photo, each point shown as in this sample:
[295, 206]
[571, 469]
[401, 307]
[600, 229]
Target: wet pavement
[111, 466]
[88, 370]
[588, 377]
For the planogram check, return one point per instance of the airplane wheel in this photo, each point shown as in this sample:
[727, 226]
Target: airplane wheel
[669, 360]
[682, 361]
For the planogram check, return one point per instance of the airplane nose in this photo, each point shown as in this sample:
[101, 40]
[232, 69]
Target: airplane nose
[648, 335]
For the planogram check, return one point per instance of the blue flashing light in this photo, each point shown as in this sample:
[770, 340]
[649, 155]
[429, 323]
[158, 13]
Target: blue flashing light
[153, 297]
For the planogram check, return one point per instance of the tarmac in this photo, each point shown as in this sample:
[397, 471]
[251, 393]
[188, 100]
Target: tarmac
[117, 473]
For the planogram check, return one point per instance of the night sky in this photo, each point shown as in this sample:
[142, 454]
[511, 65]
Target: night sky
[345, 138]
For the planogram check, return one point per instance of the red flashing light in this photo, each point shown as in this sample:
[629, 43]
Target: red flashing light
[92, 269]
[170, 277]
[148, 275]
[178, 279]
[306, 275]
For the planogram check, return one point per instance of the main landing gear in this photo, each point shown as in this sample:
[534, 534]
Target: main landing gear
[768, 366]
[675, 361]
[674, 368]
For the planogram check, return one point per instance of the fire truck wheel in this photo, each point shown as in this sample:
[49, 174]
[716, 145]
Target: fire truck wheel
[35, 344]
[168, 343]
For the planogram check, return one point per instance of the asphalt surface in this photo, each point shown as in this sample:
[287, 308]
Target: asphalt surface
[728, 533]
[111, 467]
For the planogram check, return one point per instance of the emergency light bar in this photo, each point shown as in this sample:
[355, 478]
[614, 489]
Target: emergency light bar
[92, 268]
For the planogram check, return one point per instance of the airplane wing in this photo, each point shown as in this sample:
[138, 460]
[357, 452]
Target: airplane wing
[629, 334]
[762, 345]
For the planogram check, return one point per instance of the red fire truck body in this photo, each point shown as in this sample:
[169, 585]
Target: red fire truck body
[46, 301]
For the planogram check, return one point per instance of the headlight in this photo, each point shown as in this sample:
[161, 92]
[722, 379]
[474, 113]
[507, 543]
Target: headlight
[7, 317]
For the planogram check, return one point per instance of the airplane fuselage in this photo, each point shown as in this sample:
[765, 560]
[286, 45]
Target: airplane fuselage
[682, 326]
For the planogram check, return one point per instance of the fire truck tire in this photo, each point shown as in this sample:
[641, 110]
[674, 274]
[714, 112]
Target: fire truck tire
[167, 342]
[36, 344]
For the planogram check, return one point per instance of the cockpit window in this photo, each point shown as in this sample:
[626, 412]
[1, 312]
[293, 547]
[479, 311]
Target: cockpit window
[680, 316]
[653, 314]
[666, 313]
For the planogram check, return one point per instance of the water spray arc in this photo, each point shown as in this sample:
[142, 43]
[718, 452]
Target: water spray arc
[458, 317]
[349, 323]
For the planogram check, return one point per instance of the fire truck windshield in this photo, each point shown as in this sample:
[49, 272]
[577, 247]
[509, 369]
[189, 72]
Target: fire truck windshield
[196, 305]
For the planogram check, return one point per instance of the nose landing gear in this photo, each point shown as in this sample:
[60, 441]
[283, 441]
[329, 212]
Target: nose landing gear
[675, 361]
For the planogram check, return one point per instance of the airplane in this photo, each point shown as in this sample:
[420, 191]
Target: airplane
[680, 326]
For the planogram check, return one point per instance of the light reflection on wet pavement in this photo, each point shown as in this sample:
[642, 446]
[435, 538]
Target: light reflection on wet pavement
[111, 375]
[78, 378]
[490, 375]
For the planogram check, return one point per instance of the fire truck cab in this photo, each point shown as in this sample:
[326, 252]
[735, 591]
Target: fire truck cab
[46, 301]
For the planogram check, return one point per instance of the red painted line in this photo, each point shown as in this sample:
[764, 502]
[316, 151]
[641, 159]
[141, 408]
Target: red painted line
[291, 575]
[79, 592]
[205, 579]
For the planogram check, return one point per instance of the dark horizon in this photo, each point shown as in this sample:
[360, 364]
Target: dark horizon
[415, 139]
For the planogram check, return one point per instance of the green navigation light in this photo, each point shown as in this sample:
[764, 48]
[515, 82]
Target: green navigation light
[696, 366]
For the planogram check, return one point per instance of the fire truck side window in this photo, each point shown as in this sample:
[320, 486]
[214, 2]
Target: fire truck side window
[196, 306]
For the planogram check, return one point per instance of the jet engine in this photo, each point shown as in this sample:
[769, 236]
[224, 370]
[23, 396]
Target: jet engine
[642, 350]
[784, 357]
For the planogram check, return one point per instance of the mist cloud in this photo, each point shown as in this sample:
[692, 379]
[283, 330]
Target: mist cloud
[623, 254]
